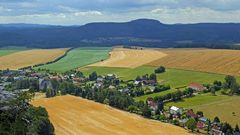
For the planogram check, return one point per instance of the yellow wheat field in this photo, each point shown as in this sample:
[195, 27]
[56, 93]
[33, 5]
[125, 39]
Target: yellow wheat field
[207, 60]
[130, 58]
[30, 58]
[76, 116]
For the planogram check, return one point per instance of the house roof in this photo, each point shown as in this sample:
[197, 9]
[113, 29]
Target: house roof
[196, 85]
[174, 108]
[190, 113]
[200, 125]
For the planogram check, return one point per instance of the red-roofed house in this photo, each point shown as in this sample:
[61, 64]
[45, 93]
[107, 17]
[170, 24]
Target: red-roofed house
[196, 86]
[152, 104]
[200, 125]
[191, 114]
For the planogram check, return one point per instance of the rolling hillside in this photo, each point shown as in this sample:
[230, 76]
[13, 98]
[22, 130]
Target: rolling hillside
[144, 32]
[206, 60]
[129, 58]
[78, 57]
[74, 115]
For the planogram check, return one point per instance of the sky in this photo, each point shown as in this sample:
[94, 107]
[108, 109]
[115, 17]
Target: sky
[80, 12]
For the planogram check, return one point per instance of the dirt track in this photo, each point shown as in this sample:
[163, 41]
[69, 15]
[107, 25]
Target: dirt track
[130, 58]
[76, 116]
[29, 58]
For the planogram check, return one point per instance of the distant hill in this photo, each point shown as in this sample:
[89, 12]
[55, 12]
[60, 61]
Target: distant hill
[142, 32]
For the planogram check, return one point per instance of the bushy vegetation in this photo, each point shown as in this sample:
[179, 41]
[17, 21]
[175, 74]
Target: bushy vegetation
[21, 118]
[161, 69]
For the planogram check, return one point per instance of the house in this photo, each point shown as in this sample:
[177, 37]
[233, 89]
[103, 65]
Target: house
[152, 104]
[174, 110]
[216, 130]
[149, 82]
[98, 85]
[58, 78]
[100, 79]
[45, 84]
[77, 80]
[200, 125]
[16, 78]
[111, 76]
[6, 96]
[111, 87]
[152, 88]
[203, 119]
[137, 82]
[196, 86]
[191, 114]
[182, 122]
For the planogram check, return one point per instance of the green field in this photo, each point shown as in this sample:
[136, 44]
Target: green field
[144, 98]
[77, 58]
[7, 51]
[222, 106]
[174, 77]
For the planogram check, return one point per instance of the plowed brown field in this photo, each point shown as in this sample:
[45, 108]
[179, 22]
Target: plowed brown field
[130, 58]
[30, 58]
[76, 116]
[207, 60]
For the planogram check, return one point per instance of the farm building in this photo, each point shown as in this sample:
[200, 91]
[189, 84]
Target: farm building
[196, 86]
[175, 110]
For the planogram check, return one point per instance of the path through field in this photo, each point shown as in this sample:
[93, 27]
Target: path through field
[29, 58]
[130, 58]
[76, 116]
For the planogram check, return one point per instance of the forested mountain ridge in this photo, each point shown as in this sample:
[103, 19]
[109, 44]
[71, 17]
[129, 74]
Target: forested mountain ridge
[142, 32]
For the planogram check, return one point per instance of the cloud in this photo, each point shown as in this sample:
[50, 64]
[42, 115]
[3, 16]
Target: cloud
[3, 9]
[67, 9]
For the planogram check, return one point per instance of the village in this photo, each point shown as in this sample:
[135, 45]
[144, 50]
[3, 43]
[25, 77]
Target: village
[13, 82]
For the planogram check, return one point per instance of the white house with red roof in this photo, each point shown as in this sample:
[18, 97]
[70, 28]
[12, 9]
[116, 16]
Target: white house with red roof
[196, 86]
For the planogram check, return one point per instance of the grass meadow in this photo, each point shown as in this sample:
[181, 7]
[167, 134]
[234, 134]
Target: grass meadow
[77, 58]
[174, 77]
[227, 108]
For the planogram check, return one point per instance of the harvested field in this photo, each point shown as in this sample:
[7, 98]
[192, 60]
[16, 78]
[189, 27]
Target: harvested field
[76, 116]
[30, 58]
[130, 58]
[206, 60]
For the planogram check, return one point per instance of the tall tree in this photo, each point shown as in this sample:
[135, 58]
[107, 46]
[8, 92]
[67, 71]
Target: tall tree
[191, 124]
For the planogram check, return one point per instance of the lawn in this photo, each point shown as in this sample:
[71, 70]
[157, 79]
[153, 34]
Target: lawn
[77, 58]
[226, 108]
[144, 98]
[122, 73]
